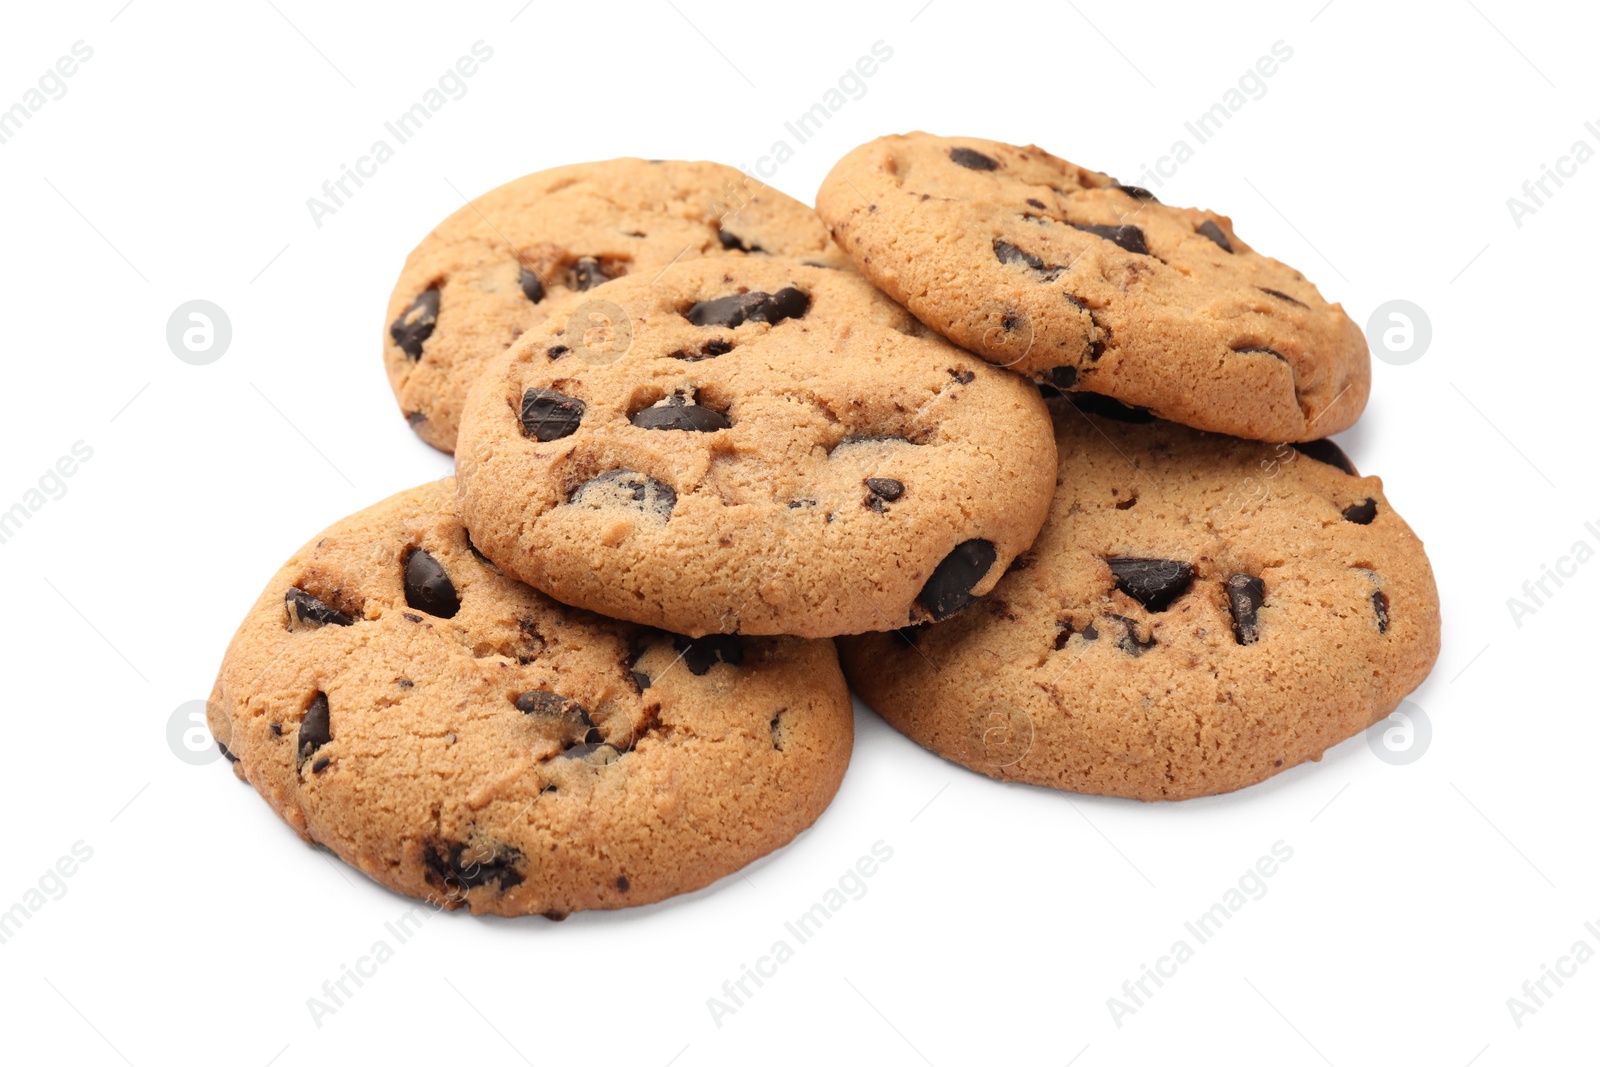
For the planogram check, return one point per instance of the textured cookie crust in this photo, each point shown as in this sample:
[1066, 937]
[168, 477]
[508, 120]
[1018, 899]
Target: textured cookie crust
[1098, 665]
[825, 466]
[1163, 308]
[517, 756]
[553, 233]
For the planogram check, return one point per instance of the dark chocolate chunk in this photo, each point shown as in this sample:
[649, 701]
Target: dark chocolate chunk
[1155, 583]
[1380, 605]
[315, 729]
[640, 679]
[628, 487]
[222, 748]
[949, 588]
[1006, 252]
[678, 414]
[972, 160]
[276, 728]
[700, 654]
[1214, 232]
[1109, 408]
[532, 287]
[1325, 451]
[548, 415]
[735, 244]
[1363, 513]
[450, 865]
[552, 706]
[406, 615]
[320, 764]
[1128, 238]
[739, 308]
[1036, 203]
[709, 350]
[306, 612]
[887, 488]
[1090, 633]
[622, 883]
[428, 587]
[1262, 350]
[962, 376]
[415, 419]
[1129, 641]
[1138, 192]
[415, 324]
[1280, 295]
[1246, 594]
[1063, 378]
[557, 351]
[587, 273]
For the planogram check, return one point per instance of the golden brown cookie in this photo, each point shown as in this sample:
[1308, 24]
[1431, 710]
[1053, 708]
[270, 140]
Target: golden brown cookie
[1199, 613]
[775, 448]
[1062, 274]
[461, 738]
[497, 266]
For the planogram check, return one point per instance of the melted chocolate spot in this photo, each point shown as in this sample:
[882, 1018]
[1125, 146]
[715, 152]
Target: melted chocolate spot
[1006, 252]
[415, 324]
[450, 865]
[739, 308]
[972, 159]
[734, 244]
[949, 588]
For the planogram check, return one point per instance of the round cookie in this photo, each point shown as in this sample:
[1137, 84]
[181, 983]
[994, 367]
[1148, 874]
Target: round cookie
[770, 448]
[1063, 274]
[497, 266]
[1198, 614]
[462, 738]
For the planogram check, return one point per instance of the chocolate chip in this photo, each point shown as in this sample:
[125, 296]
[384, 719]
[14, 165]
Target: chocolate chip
[222, 748]
[630, 488]
[700, 654]
[640, 679]
[962, 376]
[1246, 593]
[1155, 583]
[532, 287]
[1260, 349]
[709, 350]
[557, 351]
[548, 415]
[622, 883]
[1108, 408]
[276, 728]
[1325, 451]
[1363, 513]
[1128, 238]
[587, 273]
[552, 706]
[320, 764]
[406, 615]
[678, 414]
[451, 866]
[1090, 633]
[415, 419]
[306, 612]
[428, 587]
[1129, 641]
[1280, 296]
[404, 683]
[1214, 232]
[972, 160]
[1137, 192]
[1062, 378]
[1036, 203]
[555, 916]
[415, 324]
[949, 588]
[887, 488]
[739, 308]
[1006, 252]
[1380, 605]
[315, 729]
[734, 244]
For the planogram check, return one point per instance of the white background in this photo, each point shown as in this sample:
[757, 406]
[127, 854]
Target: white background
[177, 166]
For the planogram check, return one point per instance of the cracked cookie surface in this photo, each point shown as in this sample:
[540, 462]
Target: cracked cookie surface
[501, 263]
[1061, 273]
[460, 737]
[1198, 614]
[779, 449]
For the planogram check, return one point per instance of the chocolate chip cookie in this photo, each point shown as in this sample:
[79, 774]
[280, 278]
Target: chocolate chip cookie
[497, 266]
[1063, 274]
[461, 738]
[773, 448]
[1199, 613]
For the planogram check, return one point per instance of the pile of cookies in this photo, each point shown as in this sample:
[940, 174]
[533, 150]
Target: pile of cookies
[1041, 460]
